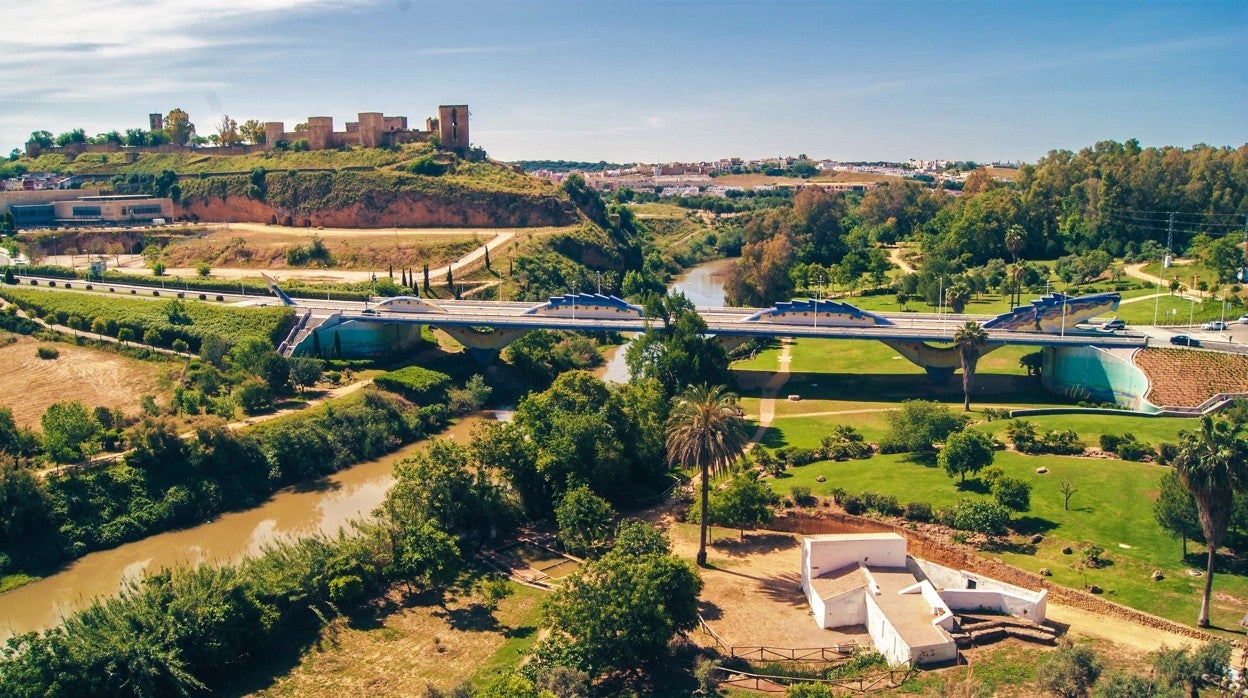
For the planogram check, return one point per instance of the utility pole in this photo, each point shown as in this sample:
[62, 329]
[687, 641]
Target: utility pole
[1243, 270]
[1165, 264]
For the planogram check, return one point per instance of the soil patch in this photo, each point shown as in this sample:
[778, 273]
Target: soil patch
[95, 378]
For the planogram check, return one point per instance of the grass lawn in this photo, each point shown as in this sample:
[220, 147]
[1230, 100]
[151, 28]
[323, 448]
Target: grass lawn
[1090, 426]
[1112, 508]
[1174, 310]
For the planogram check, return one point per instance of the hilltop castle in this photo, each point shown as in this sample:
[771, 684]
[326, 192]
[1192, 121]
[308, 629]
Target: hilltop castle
[374, 129]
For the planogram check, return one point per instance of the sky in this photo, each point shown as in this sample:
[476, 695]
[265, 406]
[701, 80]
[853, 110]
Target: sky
[650, 81]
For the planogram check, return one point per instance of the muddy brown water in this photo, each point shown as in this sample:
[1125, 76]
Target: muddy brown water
[321, 506]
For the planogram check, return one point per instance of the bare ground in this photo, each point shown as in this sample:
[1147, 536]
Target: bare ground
[29, 384]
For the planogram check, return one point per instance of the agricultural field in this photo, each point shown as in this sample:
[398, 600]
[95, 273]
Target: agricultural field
[197, 321]
[92, 376]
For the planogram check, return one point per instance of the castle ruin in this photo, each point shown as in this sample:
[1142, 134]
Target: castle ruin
[374, 129]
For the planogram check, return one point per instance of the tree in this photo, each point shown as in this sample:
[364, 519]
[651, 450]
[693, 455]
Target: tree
[622, 610]
[919, 426]
[1012, 493]
[1175, 510]
[252, 131]
[966, 452]
[970, 340]
[1069, 672]
[746, 503]
[1015, 239]
[227, 131]
[1068, 490]
[706, 430]
[178, 127]
[254, 396]
[584, 521]
[957, 296]
[70, 431]
[1212, 463]
[305, 371]
[678, 353]
[43, 139]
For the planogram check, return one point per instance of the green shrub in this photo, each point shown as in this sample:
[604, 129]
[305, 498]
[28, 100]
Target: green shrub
[882, 504]
[1133, 450]
[47, 352]
[1166, 452]
[1012, 493]
[853, 504]
[980, 516]
[802, 496]
[420, 385]
[918, 511]
[1109, 443]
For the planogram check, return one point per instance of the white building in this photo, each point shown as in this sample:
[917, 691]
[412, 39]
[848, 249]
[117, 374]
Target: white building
[906, 604]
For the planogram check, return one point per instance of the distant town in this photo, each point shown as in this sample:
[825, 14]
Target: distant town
[715, 178]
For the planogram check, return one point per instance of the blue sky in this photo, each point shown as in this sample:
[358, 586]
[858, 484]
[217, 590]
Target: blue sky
[650, 81]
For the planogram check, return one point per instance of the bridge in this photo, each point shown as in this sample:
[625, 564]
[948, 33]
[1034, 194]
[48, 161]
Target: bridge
[485, 327]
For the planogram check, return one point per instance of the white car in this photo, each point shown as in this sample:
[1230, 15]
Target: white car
[1243, 319]
[1215, 325]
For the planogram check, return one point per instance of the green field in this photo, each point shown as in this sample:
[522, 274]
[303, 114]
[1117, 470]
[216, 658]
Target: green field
[1112, 508]
[205, 319]
[1176, 310]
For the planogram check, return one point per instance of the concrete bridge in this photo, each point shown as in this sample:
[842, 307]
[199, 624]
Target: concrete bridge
[485, 327]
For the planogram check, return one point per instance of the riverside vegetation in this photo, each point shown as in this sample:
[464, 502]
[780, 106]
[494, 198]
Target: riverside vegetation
[578, 435]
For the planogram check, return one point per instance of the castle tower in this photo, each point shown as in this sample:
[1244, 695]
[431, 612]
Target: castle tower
[371, 126]
[453, 126]
[273, 132]
[320, 132]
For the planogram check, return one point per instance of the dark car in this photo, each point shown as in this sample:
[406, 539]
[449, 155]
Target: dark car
[1184, 340]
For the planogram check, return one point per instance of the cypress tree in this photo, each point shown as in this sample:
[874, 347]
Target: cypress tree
[337, 346]
[316, 344]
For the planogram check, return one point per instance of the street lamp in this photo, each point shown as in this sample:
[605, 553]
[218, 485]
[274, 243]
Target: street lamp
[573, 300]
[598, 275]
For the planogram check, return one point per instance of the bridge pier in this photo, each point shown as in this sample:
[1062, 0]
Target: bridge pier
[482, 345]
[939, 362]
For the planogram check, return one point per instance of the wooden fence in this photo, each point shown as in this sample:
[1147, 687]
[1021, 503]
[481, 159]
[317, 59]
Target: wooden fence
[891, 678]
[764, 653]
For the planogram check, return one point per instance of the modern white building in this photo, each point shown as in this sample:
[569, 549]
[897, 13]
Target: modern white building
[906, 604]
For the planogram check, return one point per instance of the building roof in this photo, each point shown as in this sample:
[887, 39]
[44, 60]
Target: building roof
[910, 614]
[839, 581]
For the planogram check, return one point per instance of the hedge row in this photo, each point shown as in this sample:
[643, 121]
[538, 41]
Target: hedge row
[420, 385]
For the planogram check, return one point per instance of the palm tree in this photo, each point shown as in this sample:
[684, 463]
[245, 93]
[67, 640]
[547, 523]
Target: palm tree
[970, 340]
[1015, 238]
[1211, 463]
[707, 430]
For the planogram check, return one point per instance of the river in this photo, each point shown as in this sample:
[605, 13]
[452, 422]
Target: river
[703, 284]
[322, 506]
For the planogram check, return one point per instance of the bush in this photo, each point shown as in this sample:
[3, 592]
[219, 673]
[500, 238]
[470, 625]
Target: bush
[1012, 493]
[980, 516]
[1069, 672]
[802, 496]
[918, 511]
[1109, 443]
[47, 352]
[1166, 452]
[1134, 450]
[853, 505]
[420, 385]
[882, 504]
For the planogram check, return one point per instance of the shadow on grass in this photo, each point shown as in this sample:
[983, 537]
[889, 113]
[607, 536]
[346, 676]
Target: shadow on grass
[774, 438]
[474, 618]
[976, 486]
[1031, 525]
[990, 388]
[785, 588]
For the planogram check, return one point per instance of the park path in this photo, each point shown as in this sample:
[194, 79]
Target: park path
[1136, 270]
[894, 255]
[767, 405]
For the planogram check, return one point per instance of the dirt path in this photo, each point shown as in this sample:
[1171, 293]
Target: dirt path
[1138, 637]
[894, 255]
[767, 405]
[1137, 271]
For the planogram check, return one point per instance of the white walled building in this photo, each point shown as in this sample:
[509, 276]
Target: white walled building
[906, 604]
